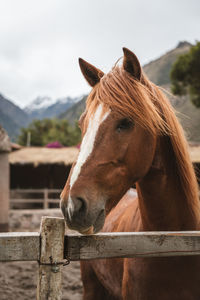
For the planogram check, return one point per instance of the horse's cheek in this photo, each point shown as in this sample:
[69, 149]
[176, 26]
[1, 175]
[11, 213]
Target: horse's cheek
[117, 175]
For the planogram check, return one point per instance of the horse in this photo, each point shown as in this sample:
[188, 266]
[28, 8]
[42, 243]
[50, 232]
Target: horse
[130, 135]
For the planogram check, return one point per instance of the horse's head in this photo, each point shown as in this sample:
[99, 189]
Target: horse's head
[118, 143]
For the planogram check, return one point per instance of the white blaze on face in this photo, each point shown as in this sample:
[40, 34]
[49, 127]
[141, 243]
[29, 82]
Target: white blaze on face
[88, 142]
[87, 147]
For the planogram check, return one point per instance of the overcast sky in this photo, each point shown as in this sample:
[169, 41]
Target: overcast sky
[41, 40]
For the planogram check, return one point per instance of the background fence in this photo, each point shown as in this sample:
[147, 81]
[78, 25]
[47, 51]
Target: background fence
[24, 197]
[36, 198]
[52, 249]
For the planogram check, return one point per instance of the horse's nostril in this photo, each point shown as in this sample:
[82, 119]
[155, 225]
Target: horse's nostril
[79, 204]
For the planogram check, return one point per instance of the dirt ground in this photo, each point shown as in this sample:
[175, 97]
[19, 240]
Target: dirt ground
[18, 279]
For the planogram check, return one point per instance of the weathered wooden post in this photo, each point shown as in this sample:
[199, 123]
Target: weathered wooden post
[45, 204]
[52, 232]
[5, 147]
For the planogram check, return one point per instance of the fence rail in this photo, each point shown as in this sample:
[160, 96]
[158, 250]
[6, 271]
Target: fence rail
[51, 247]
[19, 196]
[19, 246]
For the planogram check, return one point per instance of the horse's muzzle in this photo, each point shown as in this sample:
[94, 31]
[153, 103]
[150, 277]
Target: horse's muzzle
[80, 217]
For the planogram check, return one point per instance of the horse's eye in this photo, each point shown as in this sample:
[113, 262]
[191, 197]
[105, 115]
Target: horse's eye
[124, 124]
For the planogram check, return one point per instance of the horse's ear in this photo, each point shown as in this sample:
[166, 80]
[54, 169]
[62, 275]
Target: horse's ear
[91, 73]
[131, 64]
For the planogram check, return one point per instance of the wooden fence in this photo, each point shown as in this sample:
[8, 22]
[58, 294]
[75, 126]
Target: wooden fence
[53, 249]
[22, 196]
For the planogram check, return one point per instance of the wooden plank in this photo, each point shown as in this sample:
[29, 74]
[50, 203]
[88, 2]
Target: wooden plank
[138, 244]
[50, 265]
[19, 246]
[33, 200]
[45, 203]
[54, 190]
[24, 246]
[26, 201]
[35, 190]
[27, 191]
[53, 200]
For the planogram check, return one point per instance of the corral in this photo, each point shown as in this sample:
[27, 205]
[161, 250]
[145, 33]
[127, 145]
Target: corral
[37, 175]
[48, 247]
[18, 279]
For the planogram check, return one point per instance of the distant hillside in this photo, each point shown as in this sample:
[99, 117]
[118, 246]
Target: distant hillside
[73, 113]
[188, 115]
[158, 71]
[12, 118]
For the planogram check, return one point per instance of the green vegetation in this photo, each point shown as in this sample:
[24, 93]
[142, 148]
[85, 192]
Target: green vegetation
[46, 131]
[185, 75]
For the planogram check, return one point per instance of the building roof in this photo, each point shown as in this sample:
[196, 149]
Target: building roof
[66, 155]
[15, 146]
[40, 155]
[5, 145]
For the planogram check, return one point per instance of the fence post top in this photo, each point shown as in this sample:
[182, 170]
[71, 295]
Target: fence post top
[52, 218]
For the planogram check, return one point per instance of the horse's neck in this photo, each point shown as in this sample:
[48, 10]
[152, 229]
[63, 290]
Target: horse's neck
[162, 201]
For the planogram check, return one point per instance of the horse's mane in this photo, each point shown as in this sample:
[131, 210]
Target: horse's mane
[143, 102]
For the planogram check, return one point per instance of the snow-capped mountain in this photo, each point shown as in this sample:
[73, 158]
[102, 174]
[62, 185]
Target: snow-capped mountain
[46, 107]
[39, 103]
[12, 117]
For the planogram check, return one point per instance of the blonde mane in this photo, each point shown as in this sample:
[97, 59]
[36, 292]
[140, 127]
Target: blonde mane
[146, 104]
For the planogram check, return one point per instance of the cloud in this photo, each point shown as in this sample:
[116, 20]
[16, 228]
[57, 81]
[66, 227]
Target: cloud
[42, 40]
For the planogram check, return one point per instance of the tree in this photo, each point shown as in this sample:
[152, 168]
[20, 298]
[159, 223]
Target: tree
[185, 75]
[46, 131]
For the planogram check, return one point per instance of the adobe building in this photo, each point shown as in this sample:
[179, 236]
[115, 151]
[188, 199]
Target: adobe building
[40, 167]
[5, 148]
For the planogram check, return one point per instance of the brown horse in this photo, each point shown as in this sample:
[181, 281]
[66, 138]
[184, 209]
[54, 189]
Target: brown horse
[131, 135]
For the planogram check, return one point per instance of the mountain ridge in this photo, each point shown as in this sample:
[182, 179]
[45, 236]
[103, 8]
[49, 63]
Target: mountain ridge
[12, 117]
[46, 107]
